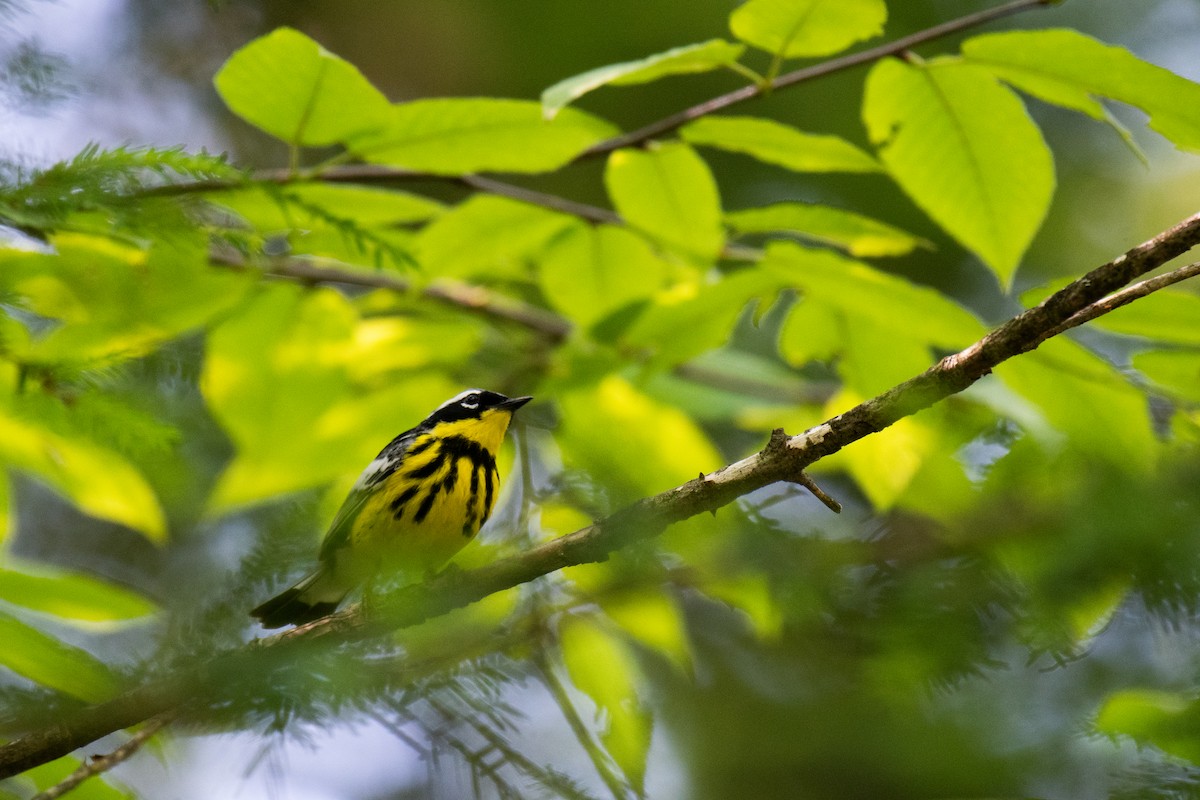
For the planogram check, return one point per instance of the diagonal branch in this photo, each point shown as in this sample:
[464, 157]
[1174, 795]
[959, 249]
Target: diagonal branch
[243, 669]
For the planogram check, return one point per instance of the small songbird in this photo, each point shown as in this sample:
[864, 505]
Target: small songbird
[417, 504]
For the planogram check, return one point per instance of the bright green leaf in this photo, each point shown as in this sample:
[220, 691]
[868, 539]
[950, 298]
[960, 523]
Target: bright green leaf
[603, 668]
[45, 660]
[776, 143]
[1069, 69]
[95, 479]
[658, 446]
[71, 595]
[702, 57]
[1177, 371]
[490, 235]
[592, 271]
[1167, 720]
[963, 147]
[116, 301]
[705, 311]
[914, 312]
[289, 86]
[284, 363]
[456, 136]
[1163, 316]
[654, 620]
[1086, 399]
[668, 192]
[796, 28]
[856, 234]
[309, 205]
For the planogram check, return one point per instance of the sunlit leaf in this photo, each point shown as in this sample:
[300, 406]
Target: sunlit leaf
[706, 311]
[1070, 69]
[97, 480]
[456, 136]
[309, 205]
[1167, 720]
[668, 192]
[776, 143]
[963, 147]
[283, 365]
[45, 660]
[654, 620]
[795, 28]
[289, 86]
[858, 235]
[71, 595]
[490, 235]
[592, 271]
[1177, 371]
[691, 58]
[658, 446]
[1087, 400]
[603, 668]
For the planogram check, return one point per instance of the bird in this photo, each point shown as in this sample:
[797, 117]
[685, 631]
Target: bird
[420, 501]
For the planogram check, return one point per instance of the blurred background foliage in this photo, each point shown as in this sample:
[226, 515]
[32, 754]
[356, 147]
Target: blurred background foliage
[1006, 608]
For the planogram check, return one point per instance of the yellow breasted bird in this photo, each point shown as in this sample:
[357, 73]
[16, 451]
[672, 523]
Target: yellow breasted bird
[417, 504]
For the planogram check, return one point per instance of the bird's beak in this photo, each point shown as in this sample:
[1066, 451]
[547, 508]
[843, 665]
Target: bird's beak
[513, 403]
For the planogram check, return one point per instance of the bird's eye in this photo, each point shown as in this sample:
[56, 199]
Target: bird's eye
[470, 401]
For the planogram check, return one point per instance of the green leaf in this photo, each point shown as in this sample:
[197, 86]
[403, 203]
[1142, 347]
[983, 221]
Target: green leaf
[115, 301]
[705, 311]
[910, 313]
[701, 57]
[294, 360]
[456, 136]
[658, 446]
[654, 620]
[1087, 400]
[95, 479]
[71, 595]
[488, 234]
[271, 209]
[1165, 316]
[45, 660]
[796, 28]
[603, 668]
[1177, 371]
[289, 86]
[858, 235]
[1168, 720]
[668, 192]
[963, 147]
[776, 143]
[1069, 69]
[592, 271]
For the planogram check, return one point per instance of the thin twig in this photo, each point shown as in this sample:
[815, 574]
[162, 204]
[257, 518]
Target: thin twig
[711, 106]
[1125, 297]
[103, 763]
[594, 751]
[460, 295]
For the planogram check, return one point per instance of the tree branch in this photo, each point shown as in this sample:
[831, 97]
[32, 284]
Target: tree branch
[720, 103]
[100, 764]
[646, 518]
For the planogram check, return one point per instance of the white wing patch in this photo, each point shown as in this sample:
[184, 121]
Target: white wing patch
[378, 469]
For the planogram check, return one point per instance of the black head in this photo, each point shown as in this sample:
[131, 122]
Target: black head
[472, 403]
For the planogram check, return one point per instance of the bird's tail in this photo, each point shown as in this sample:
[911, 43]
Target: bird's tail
[316, 596]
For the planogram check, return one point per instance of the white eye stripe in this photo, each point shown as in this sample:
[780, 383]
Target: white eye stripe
[470, 401]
